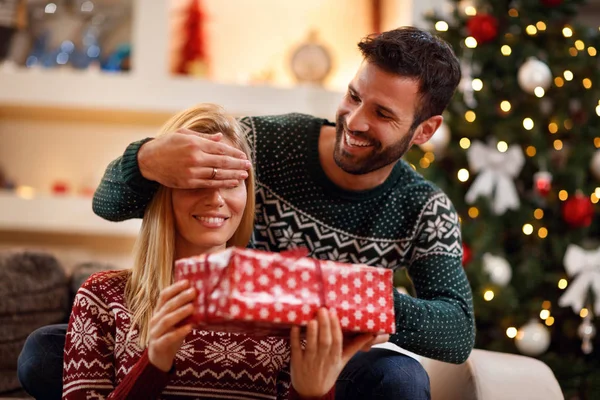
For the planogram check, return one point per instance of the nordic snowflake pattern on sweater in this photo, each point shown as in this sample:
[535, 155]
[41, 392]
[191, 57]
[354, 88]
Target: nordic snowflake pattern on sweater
[101, 358]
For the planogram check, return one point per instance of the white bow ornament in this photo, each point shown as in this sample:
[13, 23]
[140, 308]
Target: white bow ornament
[496, 173]
[584, 267]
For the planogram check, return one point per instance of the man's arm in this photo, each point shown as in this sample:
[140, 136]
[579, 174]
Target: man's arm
[439, 323]
[184, 159]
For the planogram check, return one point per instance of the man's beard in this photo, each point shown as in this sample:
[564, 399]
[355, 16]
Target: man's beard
[379, 157]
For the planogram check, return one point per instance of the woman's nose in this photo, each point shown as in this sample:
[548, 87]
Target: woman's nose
[215, 198]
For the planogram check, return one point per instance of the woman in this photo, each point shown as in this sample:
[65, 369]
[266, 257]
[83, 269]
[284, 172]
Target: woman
[125, 339]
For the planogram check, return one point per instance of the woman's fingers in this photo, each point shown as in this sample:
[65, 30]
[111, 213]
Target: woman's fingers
[312, 333]
[170, 291]
[169, 320]
[352, 347]
[324, 332]
[295, 345]
[337, 337]
[175, 302]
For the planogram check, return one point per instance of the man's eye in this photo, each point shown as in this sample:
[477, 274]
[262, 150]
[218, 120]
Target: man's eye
[354, 97]
[382, 115]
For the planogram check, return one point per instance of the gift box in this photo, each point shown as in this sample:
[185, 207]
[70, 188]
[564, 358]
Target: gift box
[252, 291]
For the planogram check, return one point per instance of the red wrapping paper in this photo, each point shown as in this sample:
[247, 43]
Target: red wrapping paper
[243, 290]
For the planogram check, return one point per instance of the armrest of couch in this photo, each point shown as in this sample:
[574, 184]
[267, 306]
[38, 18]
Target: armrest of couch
[492, 376]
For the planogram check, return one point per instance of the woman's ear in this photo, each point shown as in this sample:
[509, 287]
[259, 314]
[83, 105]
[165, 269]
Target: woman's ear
[427, 128]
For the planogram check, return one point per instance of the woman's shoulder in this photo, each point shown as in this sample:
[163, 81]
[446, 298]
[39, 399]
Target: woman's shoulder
[106, 284]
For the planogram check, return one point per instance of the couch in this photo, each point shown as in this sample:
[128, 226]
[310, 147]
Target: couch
[36, 291]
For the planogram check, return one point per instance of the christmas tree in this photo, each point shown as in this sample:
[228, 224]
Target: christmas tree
[518, 155]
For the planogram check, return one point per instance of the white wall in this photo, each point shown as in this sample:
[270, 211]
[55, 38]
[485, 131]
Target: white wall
[248, 38]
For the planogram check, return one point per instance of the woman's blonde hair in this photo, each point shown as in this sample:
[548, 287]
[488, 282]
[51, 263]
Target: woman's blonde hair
[154, 251]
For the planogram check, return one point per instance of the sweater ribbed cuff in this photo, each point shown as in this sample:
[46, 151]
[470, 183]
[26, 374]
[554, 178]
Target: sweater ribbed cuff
[148, 381]
[130, 169]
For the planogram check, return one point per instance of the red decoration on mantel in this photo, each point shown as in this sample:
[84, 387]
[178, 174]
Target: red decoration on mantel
[243, 290]
[60, 187]
[578, 211]
[193, 51]
[483, 27]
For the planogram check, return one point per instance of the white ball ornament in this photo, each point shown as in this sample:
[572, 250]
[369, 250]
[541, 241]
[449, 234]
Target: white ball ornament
[534, 73]
[439, 141]
[595, 164]
[532, 339]
[497, 268]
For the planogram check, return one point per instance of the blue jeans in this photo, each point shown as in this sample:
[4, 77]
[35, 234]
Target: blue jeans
[383, 374]
[377, 374]
[40, 362]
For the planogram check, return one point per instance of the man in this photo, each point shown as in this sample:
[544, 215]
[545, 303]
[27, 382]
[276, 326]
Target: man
[343, 192]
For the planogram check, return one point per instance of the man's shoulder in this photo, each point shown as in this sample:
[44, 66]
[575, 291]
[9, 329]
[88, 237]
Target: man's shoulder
[274, 122]
[414, 187]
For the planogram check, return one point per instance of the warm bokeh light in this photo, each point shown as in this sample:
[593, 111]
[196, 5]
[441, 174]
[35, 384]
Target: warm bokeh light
[513, 12]
[528, 229]
[583, 313]
[429, 156]
[511, 332]
[470, 42]
[579, 44]
[502, 146]
[558, 144]
[473, 212]
[573, 51]
[470, 11]
[546, 304]
[553, 127]
[531, 30]
[477, 84]
[543, 233]
[598, 111]
[587, 83]
[597, 139]
[506, 50]
[540, 25]
[568, 124]
[505, 106]
[544, 314]
[530, 151]
[594, 198]
[559, 82]
[470, 116]
[562, 284]
[539, 91]
[567, 31]
[441, 26]
[563, 195]
[528, 124]
[568, 75]
[463, 175]
[424, 163]
[538, 213]
[465, 143]
[592, 51]
[549, 321]
[488, 295]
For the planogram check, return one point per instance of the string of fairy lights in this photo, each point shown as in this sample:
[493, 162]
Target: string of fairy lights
[463, 174]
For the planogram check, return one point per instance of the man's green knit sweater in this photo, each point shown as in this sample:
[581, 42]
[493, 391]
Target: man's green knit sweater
[404, 222]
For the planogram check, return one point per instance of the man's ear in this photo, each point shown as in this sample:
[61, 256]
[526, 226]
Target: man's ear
[427, 128]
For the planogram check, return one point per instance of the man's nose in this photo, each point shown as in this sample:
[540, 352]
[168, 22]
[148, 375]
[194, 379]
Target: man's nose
[356, 120]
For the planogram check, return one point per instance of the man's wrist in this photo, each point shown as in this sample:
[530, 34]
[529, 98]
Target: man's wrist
[143, 155]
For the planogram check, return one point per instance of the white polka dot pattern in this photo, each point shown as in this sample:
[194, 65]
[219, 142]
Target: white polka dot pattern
[285, 289]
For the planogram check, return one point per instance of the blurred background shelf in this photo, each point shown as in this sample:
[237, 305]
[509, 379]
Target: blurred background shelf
[67, 215]
[95, 96]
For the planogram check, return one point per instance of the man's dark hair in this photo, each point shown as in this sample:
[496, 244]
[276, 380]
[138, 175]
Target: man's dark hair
[413, 53]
